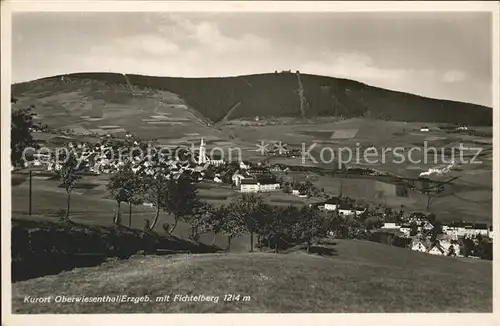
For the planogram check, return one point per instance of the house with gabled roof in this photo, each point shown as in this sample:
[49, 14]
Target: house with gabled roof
[418, 245]
[427, 226]
[449, 244]
[437, 249]
[421, 245]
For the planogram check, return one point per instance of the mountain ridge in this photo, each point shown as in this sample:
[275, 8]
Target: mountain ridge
[277, 94]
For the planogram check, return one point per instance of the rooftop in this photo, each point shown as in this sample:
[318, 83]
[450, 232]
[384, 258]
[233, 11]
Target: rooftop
[345, 206]
[249, 182]
[267, 181]
[333, 201]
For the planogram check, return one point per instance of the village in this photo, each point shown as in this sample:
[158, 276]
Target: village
[417, 230]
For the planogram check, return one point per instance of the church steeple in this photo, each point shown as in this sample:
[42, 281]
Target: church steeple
[202, 157]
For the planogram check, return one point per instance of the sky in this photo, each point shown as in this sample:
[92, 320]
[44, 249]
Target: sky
[440, 55]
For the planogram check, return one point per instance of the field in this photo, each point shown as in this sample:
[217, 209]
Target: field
[92, 206]
[467, 198]
[350, 276]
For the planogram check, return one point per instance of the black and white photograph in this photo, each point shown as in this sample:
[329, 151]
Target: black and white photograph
[273, 160]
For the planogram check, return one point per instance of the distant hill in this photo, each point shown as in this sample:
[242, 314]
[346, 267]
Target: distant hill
[276, 94]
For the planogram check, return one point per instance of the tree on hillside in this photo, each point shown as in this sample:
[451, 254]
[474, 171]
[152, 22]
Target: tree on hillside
[485, 249]
[125, 186]
[268, 226]
[309, 226]
[467, 247]
[232, 225]
[202, 219]
[248, 209]
[213, 220]
[69, 174]
[20, 135]
[181, 199]
[155, 190]
[281, 222]
[170, 192]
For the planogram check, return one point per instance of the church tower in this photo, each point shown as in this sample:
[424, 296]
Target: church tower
[202, 155]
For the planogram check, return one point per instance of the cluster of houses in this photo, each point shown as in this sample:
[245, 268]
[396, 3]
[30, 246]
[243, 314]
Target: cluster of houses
[340, 206]
[443, 246]
[454, 230]
[102, 159]
[446, 243]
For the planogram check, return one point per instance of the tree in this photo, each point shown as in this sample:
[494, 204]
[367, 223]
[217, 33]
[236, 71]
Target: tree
[249, 210]
[232, 225]
[467, 248]
[203, 219]
[451, 251]
[400, 214]
[485, 249]
[69, 174]
[155, 189]
[436, 230]
[372, 222]
[180, 198]
[213, 220]
[21, 138]
[413, 229]
[309, 225]
[125, 186]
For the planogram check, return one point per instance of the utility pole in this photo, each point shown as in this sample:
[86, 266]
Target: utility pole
[29, 209]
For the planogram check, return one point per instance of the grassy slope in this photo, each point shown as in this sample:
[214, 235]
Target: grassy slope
[360, 277]
[276, 95]
[91, 208]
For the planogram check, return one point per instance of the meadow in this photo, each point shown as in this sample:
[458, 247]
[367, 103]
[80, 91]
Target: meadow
[92, 206]
[346, 276]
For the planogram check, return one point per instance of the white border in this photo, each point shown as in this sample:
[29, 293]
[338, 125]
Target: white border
[8, 7]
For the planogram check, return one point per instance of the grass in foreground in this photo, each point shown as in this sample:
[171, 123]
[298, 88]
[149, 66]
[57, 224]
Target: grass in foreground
[361, 277]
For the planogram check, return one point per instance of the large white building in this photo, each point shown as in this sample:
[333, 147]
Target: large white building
[465, 229]
[256, 185]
